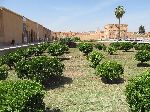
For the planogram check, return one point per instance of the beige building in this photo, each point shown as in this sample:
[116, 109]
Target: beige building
[111, 31]
[14, 27]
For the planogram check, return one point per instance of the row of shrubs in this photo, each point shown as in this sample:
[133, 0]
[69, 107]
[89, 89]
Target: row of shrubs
[111, 49]
[138, 89]
[39, 69]
[35, 69]
[109, 70]
[32, 66]
[142, 55]
[27, 95]
[11, 59]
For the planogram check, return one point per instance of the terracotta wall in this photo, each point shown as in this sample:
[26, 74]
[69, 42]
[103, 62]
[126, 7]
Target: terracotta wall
[23, 30]
[13, 27]
[1, 27]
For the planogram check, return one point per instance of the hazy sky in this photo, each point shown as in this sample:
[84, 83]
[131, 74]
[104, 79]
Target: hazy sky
[81, 15]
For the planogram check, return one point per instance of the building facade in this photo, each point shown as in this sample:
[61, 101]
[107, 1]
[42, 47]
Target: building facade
[17, 28]
[111, 31]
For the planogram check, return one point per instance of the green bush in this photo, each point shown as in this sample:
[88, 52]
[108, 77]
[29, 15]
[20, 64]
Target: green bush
[138, 93]
[39, 50]
[39, 68]
[2, 60]
[100, 46]
[111, 50]
[142, 46]
[70, 42]
[95, 58]
[21, 96]
[66, 40]
[23, 52]
[134, 43]
[3, 73]
[86, 48]
[26, 52]
[45, 45]
[76, 39]
[110, 70]
[56, 49]
[65, 47]
[142, 56]
[116, 45]
[12, 58]
[126, 46]
[30, 51]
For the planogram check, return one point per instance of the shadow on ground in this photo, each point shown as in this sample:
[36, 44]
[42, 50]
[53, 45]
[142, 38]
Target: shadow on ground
[127, 51]
[56, 82]
[63, 59]
[53, 110]
[114, 81]
[143, 65]
[115, 54]
[67, 52]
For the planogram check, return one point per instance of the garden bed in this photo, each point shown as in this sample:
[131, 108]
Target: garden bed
[81, 90]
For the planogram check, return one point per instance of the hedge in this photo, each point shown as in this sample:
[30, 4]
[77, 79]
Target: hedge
[138, 93]
[39, 68]
[21, 96]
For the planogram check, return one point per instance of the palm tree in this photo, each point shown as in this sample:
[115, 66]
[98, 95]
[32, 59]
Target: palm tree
[119, 12]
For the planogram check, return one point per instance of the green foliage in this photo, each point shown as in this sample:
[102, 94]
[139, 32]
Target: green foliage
[142, 56]
[12, 58]
[119, 12]
[138, 93]
[142, 46]
[141, 30]
[86, 48]
[126, 46]
[30, 51]
[70, 42]
[111, 50]
[3, 72]
[116, 45]
[134, 43]
[110, 70]
[56, 49]
[21, 96]
[76, 39]
[65, 47]
[2, 60]
[95, 58]
[39, 50]
[66, 40]
[39, 68]
[45, 45]
[100, 46]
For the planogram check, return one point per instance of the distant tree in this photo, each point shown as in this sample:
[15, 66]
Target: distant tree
[141, 30]
[119, 12]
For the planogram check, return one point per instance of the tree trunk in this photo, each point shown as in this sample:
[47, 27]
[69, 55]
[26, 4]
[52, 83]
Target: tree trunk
[119, 29]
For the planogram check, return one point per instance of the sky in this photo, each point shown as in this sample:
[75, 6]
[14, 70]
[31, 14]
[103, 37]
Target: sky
[81, 15]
